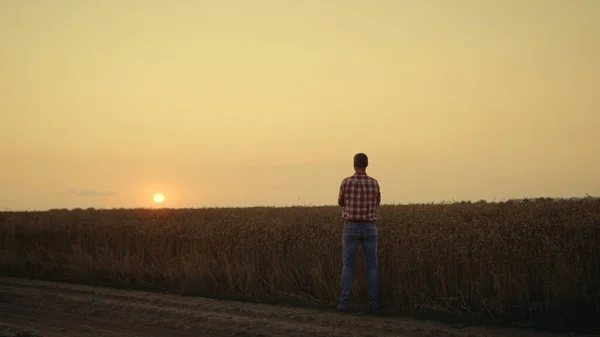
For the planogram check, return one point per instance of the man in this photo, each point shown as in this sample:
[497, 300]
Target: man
[359, 196]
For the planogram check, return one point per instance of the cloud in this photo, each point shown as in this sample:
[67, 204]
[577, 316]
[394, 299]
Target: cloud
[93, 193]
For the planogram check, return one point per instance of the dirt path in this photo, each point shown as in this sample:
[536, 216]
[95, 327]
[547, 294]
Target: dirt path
[46, 309]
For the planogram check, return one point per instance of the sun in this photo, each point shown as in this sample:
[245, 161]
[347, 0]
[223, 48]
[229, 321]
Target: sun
[159, 197]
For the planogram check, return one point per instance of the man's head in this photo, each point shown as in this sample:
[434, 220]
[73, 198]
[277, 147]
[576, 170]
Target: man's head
[361, 161]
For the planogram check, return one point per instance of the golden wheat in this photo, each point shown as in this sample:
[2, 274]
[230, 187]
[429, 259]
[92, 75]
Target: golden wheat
[520, 261]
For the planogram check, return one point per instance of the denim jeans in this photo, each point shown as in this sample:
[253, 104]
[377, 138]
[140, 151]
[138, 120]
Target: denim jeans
[353, 235]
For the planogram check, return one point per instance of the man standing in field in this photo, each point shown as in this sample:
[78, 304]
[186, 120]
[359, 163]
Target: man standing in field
[359, 196]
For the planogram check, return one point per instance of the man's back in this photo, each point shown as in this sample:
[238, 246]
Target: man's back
[360, 196]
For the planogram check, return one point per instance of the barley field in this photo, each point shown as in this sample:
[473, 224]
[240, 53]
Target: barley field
[529, 263]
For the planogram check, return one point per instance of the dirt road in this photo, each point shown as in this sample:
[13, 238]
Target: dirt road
[45, 309]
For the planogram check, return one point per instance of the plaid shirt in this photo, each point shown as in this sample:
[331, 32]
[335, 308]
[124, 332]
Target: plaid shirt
[360, 196]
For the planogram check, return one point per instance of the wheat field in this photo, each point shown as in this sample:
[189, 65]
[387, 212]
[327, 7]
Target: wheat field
[531, 263]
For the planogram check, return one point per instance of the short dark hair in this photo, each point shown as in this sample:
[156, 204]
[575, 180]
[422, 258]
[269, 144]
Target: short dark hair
[361, 160]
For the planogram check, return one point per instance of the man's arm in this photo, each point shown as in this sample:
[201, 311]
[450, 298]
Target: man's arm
[378, 195]
[341, 202]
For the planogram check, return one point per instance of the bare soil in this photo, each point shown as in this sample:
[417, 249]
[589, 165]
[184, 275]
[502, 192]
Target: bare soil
[31, 308]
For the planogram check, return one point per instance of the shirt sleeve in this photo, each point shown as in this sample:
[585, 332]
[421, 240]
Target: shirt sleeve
[341, 195]
[378, 194]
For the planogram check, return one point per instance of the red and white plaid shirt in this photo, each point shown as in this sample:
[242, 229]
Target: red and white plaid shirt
[360, 196]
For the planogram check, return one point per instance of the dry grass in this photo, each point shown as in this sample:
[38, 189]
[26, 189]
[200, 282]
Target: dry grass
[531, 262]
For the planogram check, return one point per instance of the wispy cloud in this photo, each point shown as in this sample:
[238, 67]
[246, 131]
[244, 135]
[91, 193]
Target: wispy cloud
[94, 193]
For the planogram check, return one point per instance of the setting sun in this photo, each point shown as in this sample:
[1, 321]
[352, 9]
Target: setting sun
[159, 197]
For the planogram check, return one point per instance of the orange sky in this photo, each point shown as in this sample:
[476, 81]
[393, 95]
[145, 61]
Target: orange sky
[239, 103]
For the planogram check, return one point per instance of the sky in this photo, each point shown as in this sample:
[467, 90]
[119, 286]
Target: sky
[265, 102]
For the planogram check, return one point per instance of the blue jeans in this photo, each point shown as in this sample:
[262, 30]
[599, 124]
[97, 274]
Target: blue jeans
[353, 235]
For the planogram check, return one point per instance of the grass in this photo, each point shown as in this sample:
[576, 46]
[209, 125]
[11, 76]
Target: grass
[533, 264]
